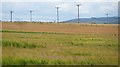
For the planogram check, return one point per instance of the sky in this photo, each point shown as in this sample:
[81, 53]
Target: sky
[44, 10]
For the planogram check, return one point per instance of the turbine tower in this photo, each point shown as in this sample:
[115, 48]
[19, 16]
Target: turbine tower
[11, 12]
[107, 15]
[30, 15]
[78, 5]
[57, 8]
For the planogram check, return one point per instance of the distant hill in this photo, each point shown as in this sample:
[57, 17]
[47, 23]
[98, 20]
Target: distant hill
[100, 20]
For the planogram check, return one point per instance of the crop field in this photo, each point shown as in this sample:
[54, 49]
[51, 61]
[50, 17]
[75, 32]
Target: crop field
[59, 44]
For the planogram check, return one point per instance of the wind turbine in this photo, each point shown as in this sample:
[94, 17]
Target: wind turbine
[57, 8]
[30, 15]
[11, 13]
[78, 5]
[107, 15]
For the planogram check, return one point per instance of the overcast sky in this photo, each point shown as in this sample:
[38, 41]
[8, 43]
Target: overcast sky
[44, 10]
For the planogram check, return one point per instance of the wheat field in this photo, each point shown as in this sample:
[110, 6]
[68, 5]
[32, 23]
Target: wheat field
[59, 44]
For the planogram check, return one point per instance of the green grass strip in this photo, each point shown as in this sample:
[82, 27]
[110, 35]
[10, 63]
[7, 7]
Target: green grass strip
[11, 31]
[26, 32]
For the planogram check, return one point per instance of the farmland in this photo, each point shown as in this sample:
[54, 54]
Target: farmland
[59, 44]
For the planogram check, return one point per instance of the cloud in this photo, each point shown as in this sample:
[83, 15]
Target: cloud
[60, 0]
[71, 7]
[108, 8]
[96, 0]
[30, 0]
[66, 7]
[46, 10]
